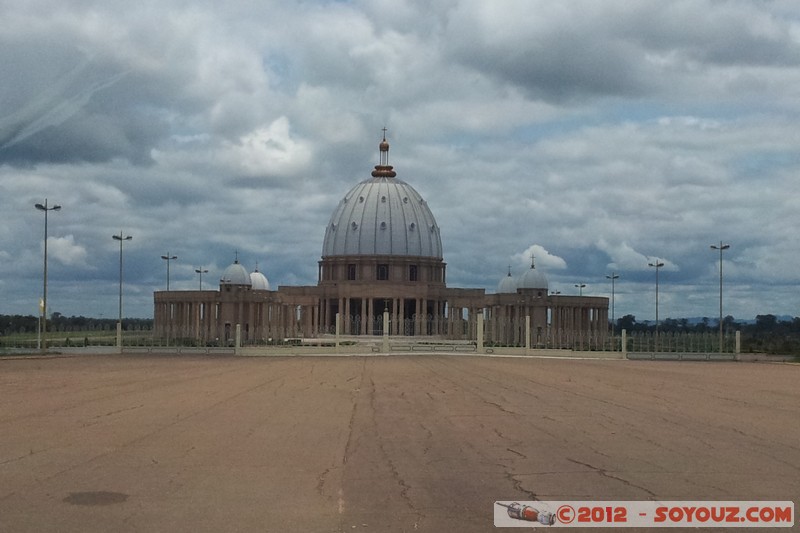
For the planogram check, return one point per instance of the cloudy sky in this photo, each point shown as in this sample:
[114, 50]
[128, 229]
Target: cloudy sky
[600, 135]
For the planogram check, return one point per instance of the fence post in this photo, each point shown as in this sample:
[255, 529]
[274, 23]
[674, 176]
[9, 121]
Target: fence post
[237, 348]
[480, 331]
[527, 335]
[119, 337]
[738, 348]
[338, 326]
[624, 347]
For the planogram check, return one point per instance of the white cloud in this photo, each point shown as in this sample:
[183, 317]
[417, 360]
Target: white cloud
[269, 150]
[66, 251]
[622, 256]
[542, 258]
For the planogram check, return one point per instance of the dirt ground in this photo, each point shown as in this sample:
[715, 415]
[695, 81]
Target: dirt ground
[399, 443]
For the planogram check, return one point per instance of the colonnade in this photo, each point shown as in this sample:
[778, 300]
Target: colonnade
[210, 316]
[208, 320]
[361, 313]
[549, 324]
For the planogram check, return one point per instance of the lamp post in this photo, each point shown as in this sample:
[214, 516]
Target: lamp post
[721, 248]
[201, 271]
[168, 258]
[612, 277]
[44, 207]
[656, 264]
[121, 238]
[580, 288]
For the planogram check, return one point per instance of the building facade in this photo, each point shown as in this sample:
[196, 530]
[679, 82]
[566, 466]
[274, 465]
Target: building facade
[381, 252]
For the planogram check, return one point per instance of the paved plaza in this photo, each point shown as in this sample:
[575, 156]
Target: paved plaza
[399, 443]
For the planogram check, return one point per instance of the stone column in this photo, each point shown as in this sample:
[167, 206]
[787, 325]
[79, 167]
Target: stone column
[348, 321]
[251, 321]
[424, 316]
[374, 317]
[527, 335]
[385, 331]
[420, 315]
[401, 328]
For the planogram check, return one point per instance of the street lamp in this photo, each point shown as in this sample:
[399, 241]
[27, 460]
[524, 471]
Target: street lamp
[580, 288]
[656, 264]
[201, 271]
[168, 258]
[120, 238]
[721, 248]
[43, 320]
[612, 277]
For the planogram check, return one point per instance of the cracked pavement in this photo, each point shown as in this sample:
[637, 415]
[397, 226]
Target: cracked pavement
[399, 443]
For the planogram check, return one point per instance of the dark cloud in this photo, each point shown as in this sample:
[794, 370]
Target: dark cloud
[602, 49]
[711, 33]
[560, 68]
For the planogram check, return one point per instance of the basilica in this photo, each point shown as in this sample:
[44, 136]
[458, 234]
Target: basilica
[381, 252]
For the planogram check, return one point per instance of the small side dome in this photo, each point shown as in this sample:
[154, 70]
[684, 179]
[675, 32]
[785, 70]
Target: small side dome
[259, 281]
[235, 274]
[507, 285]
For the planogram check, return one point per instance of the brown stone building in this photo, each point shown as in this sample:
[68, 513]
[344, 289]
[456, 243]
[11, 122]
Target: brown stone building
[382, 251]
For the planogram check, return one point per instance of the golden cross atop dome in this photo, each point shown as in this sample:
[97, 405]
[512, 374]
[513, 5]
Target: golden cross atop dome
[384, 169]
[384, 147]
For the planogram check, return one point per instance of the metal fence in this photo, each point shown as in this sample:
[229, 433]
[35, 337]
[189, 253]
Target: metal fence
[674, 342]
[496, 333]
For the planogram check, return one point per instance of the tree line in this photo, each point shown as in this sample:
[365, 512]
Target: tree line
[16, 324]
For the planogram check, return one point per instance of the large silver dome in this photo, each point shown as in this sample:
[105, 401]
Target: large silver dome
[382, 215]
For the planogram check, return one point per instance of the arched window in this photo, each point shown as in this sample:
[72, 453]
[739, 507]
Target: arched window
[382, 273]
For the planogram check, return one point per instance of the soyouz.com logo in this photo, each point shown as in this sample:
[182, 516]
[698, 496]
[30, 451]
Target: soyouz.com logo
[618, 514]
